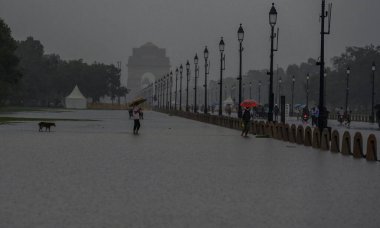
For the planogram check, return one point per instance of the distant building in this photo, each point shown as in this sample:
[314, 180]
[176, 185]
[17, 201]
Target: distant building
[147, 64]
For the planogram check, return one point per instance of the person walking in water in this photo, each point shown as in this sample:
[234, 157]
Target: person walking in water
[136, 118]
[246, 121]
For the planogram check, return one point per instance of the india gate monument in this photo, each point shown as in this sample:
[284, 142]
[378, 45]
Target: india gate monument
[147, 64]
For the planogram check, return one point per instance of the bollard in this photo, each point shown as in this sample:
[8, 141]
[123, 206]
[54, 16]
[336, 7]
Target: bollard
[285, 133]
[308, 136]
[271, 129]
[262, 128]
[300, 135]
[275, 131]
[325, 139]
[335, 142]
[358, 145]
[280, 134]
[293, 134]
[346, 143]
[371, 148]
[316, 138]
[267, 129]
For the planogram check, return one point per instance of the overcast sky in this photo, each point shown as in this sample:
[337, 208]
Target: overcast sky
[107, 30]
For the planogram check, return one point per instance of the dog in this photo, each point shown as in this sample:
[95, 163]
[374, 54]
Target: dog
[45, 125]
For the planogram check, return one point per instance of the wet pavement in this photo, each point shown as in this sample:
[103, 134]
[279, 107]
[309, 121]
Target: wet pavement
[176, 173]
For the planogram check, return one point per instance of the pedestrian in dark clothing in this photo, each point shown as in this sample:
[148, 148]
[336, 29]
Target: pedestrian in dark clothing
[136, 119]
[246, 122]
[276, 112]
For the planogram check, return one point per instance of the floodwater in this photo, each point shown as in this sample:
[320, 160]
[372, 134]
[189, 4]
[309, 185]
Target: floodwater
[176, 173]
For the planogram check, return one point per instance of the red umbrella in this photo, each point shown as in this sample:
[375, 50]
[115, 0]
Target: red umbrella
[248, 103]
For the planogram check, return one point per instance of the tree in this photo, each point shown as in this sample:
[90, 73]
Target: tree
[9, 75]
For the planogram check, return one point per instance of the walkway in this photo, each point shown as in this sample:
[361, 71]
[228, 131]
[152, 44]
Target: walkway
[176, 173]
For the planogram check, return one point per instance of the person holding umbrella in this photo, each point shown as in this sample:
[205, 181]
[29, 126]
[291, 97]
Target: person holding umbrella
[246, 117]
[246, 121]
[136, 114]
[136, 118]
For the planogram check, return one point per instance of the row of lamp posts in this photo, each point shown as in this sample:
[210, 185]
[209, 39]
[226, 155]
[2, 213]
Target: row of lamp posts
[166, 81]
[162, 83]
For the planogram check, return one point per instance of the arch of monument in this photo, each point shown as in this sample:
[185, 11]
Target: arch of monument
[147, 64]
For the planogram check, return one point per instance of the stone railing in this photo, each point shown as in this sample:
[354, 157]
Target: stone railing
[328, 139]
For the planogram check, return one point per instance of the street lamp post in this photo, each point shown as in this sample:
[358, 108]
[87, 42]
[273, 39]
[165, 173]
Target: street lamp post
[243, 92]
[325, 80]
[279, 89]
[187, 84]
[195, 84]
[250, 90]
[348, 72]
[180, 87]
[175, 94]
[205, 52]
[222, 67]
[373, 92]
[167, 91]
[307, 90]
[171, 88]
[259, 92]
[158, 92]
[225, 92]
[323, 114]
[240, 39]
[163, 92]
[272, 22]
[293, 82]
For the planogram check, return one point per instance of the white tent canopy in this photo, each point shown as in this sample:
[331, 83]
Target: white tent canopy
[228, 101]
[76, 100]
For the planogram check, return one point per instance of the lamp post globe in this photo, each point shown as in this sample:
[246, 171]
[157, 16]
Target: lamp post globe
[273, 16]
[240, 33]
[221, 45]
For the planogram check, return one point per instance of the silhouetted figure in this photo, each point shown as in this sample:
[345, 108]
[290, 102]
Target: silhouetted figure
[246, 117]
[276, 112]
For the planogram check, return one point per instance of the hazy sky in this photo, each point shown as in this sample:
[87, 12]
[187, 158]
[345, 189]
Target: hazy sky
[107, 30]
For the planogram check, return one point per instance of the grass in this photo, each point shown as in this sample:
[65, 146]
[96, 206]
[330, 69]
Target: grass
[8, 109]
[5, 119]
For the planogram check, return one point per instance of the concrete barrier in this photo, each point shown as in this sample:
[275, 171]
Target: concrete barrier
[308, 136]
[293, 134]
[316, 138]
[300, 135]
[346, 143]
[325, 139]
[358, 145]
[371, 148]
[285, 133]
[335, 142]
